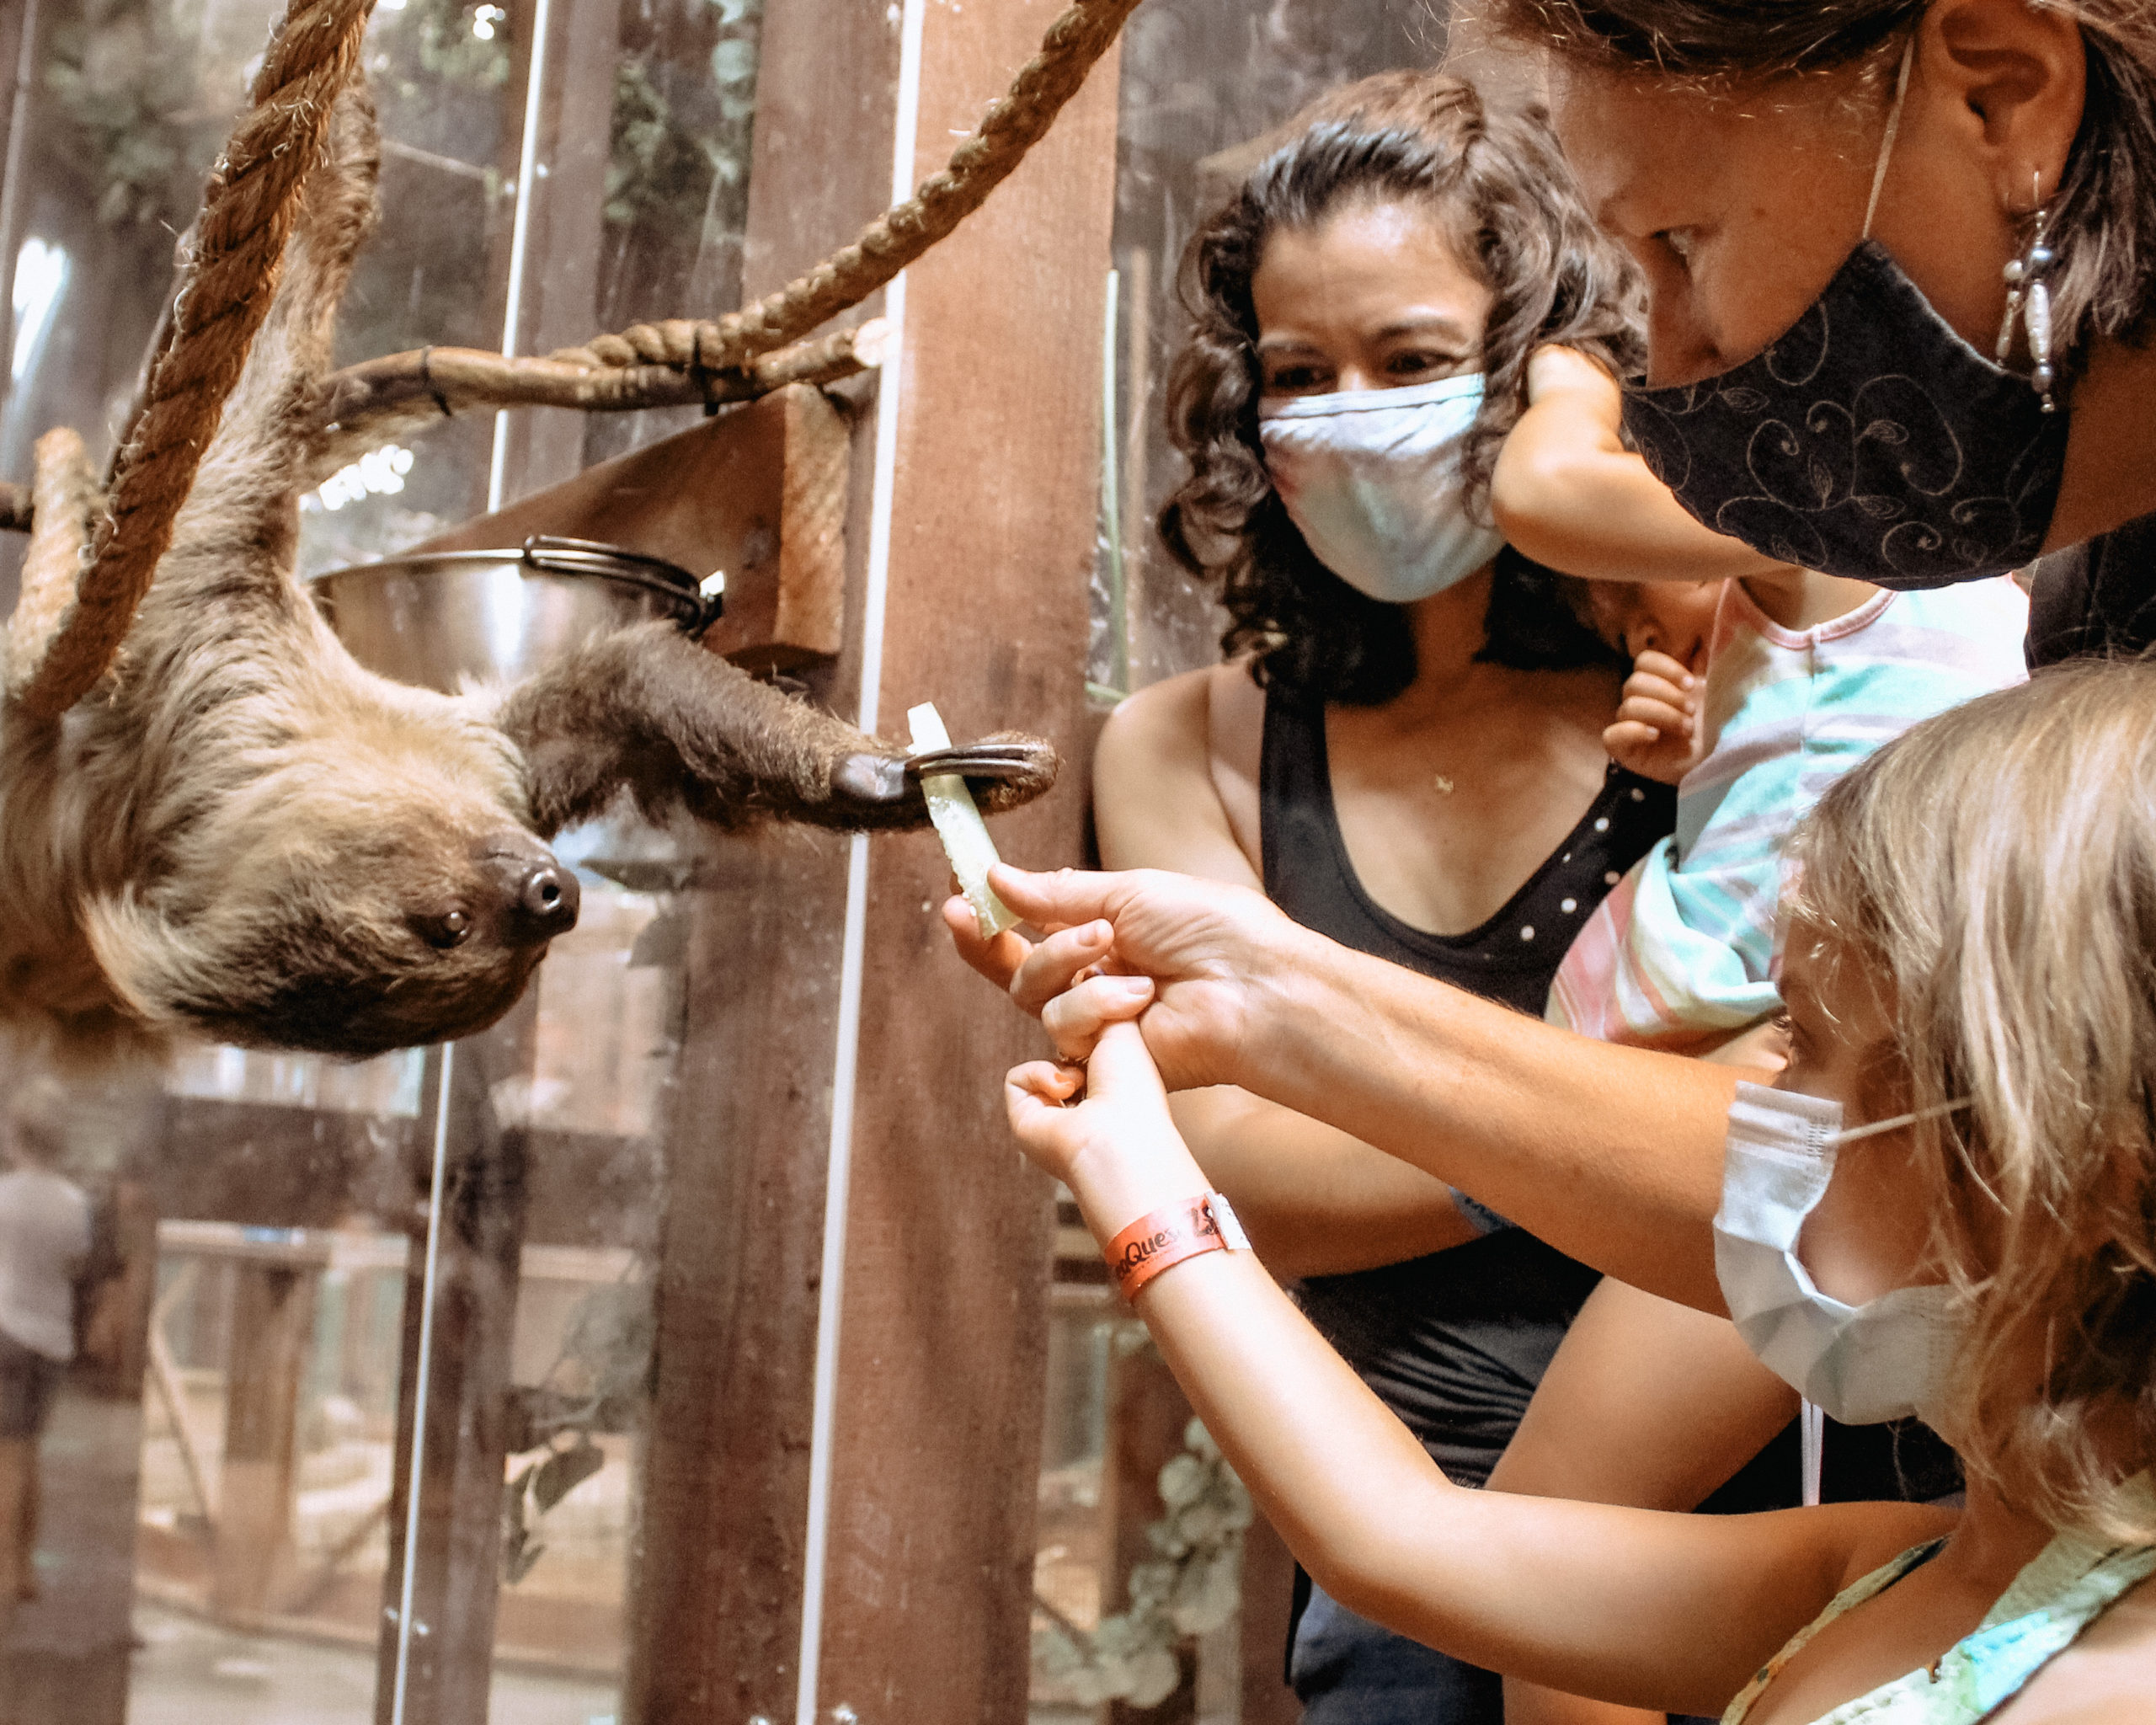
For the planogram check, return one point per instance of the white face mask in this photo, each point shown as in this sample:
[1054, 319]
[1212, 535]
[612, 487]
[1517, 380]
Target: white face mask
[1372, 477]
[1884, 1360]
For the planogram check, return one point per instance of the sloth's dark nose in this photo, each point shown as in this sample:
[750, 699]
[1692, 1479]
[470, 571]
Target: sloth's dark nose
[539, 896]
[546, 901]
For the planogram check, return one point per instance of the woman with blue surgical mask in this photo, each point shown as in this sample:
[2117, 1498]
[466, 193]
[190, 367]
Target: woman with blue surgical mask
[1947, 1205]
[1404, 749]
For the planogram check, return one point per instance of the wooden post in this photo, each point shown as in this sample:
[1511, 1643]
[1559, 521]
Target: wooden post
[926, 1599]
[909, 1587]
[1268, 1589]
[715, 1625]
[273, 1323]
[715, 1617]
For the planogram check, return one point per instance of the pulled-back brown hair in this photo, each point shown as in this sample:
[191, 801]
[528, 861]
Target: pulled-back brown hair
[1993, 873]
[1503, 187]
[2105, 282]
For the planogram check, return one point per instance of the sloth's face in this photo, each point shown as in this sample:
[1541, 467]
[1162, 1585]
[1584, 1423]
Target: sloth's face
[350, 914]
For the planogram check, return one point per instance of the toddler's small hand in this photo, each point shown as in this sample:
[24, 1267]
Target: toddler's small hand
[1657, 730]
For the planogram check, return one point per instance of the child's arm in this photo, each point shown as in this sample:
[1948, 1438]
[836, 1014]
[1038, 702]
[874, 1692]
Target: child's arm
[1669, 1611]
[1568, 493]
[1656, 731]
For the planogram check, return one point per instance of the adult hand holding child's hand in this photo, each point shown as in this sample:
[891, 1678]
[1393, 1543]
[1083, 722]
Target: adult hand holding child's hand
[1115, 1142]
[1188, 954]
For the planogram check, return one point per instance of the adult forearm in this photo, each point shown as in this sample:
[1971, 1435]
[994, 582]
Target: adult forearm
[1613, 1155]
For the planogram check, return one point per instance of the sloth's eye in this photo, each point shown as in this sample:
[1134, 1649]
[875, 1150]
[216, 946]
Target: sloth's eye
[447, 930]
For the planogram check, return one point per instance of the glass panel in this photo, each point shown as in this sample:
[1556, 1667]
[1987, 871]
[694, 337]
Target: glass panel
[1202, 79]
[226, 1473]
[1204, 84]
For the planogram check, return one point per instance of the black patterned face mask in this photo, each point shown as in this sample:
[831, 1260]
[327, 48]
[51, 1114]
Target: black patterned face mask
[1869, 440]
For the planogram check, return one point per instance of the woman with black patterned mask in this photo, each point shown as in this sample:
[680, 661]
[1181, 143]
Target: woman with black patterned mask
[1901, 257]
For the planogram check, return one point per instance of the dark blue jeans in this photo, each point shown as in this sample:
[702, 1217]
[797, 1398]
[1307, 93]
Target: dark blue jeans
[1348, 1671]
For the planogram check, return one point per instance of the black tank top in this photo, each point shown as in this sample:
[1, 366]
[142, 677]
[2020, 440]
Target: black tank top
[1454, 1342]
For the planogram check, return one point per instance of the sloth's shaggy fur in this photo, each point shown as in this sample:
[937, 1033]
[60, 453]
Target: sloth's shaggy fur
[245, 834]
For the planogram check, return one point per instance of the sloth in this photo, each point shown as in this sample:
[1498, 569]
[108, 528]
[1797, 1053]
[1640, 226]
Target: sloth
[244, 835]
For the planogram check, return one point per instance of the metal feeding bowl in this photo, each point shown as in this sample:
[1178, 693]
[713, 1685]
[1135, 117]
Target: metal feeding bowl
[444, 619]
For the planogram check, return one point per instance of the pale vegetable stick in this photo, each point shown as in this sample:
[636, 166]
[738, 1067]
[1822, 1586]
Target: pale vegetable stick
[958, 824]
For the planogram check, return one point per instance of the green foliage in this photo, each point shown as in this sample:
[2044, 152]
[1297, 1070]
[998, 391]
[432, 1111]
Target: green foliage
[125, 79]
[1192, 1585]
[602, 1373]
[445, 46]
[663, 163]
[545, 1483]
[654, 169]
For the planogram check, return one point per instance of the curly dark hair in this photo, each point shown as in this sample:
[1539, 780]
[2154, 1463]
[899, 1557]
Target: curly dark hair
[2105, 207]
[1504, 188]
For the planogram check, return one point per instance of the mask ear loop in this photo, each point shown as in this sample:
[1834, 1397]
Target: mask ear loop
[1811, 1434]
[1899, 1121]
[1893, 132]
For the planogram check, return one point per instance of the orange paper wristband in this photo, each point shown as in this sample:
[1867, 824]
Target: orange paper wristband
[1166, 1237]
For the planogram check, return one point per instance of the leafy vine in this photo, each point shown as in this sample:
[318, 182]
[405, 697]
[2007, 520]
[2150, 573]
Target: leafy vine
[1192, 1584]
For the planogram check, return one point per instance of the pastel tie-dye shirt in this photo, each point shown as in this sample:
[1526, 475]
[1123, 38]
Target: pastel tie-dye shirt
[1681, 951]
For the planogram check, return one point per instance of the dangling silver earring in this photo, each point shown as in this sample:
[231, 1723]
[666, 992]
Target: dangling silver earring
[2030, 299]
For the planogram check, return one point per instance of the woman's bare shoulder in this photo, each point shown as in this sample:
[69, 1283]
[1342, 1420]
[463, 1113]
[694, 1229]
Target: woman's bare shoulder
[1155, 801]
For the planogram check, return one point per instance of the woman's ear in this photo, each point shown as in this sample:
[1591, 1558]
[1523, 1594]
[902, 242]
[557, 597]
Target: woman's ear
[2021, 73]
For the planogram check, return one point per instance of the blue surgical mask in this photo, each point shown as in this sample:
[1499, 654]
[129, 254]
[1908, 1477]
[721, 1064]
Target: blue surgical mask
[1372, 477]
[1884, 1359]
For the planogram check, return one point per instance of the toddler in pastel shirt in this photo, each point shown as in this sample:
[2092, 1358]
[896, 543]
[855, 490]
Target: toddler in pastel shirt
[1679, 955]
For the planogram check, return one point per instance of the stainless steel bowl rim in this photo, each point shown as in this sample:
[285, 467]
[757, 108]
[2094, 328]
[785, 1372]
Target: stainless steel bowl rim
[572, 558]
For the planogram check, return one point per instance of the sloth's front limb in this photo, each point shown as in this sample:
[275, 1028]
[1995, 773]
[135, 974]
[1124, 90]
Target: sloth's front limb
[647, 710]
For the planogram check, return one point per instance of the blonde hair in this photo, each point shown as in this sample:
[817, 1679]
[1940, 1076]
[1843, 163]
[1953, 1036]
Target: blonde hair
[1994, 872]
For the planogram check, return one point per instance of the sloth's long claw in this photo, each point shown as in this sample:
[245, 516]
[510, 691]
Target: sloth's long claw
[1002, 772]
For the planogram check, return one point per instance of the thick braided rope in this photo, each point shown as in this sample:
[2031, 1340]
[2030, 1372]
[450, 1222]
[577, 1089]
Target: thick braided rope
[1015, 122]
[247, 212]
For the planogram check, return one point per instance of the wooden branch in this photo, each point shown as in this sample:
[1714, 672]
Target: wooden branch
[399, 395]
[404, 395]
